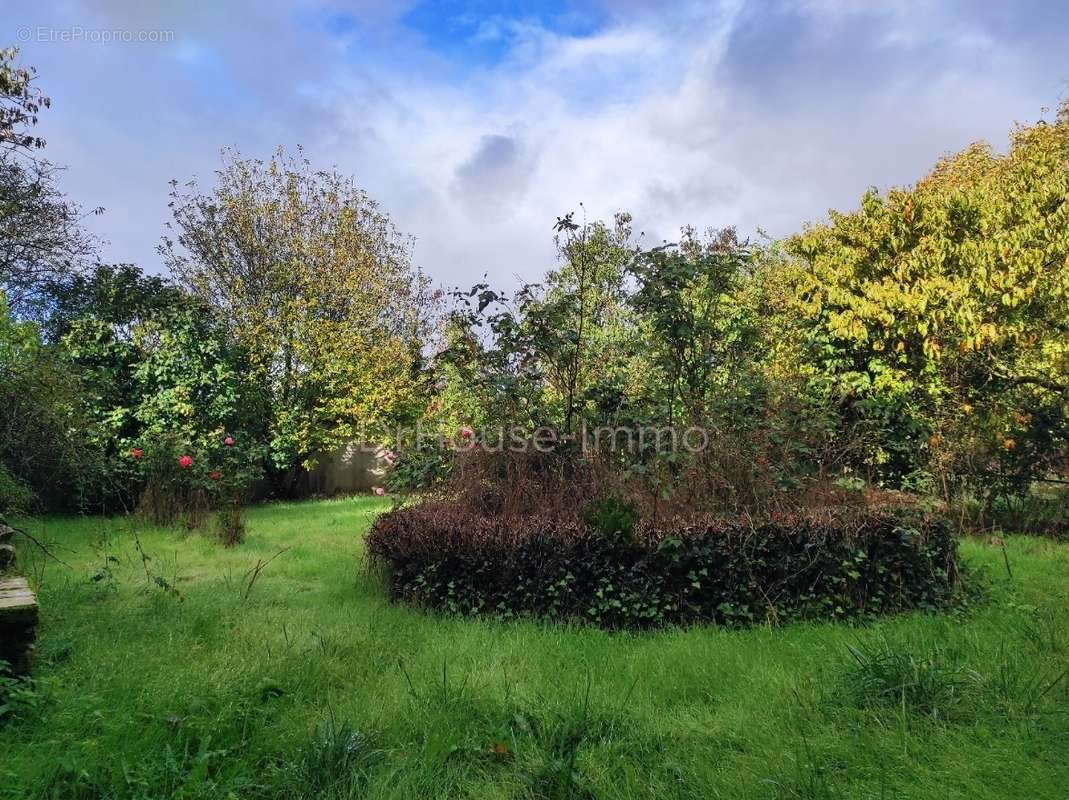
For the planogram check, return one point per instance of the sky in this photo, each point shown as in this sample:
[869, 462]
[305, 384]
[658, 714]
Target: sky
[475, 125]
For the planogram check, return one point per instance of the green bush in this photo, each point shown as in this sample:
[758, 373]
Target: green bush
[418, 469]
[1038, 512]
[832, 563]
[44, 457]
[612, 518]
[185, 478]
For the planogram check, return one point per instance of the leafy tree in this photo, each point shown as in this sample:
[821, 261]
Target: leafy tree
[41, 233]
[20, 102]
[43, 453]
[949, 302]
[700, 336]
[153, 364]
[576, 325]
[118, 295]
[316, 285]
[555, 352]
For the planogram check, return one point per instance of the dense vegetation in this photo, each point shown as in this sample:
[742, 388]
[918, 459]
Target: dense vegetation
[834, 564]
[918, 343]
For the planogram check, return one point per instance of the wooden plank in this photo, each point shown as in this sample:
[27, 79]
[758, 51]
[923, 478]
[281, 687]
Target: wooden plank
[18, 623]
[18, 604]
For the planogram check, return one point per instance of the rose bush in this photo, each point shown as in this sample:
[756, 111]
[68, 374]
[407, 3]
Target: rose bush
[185, 479]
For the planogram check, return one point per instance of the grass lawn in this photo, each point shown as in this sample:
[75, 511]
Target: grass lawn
[309, 683]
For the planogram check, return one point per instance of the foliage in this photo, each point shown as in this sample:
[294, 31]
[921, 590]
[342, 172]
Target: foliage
[569, 327]
[700, 335]
[1040, 512]
[553, 353]
[41, 236]
[20, 103]
[621, 340]
[156, 366]
[611, 518]
[316, 285]
[19, 695]
[16, 498]
[419, 469]
[185, 478]
[948, 302]
[119, 296]
[831, 564]
[41, 447]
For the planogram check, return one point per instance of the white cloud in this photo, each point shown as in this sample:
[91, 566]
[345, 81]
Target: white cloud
[749, 114]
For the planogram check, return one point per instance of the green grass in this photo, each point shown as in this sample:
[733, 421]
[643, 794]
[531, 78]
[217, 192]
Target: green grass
[174, 678]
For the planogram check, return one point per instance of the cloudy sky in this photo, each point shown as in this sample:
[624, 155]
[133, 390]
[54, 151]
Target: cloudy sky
[476, 124]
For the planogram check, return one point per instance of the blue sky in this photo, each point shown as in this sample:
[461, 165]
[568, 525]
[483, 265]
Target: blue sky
[476, 124]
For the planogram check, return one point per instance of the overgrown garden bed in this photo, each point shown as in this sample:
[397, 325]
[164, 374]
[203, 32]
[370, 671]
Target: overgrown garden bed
[815, 564]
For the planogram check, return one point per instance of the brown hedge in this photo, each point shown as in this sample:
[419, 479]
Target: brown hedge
[814, 564]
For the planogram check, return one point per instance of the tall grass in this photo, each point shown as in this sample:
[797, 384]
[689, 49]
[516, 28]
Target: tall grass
[312, 685]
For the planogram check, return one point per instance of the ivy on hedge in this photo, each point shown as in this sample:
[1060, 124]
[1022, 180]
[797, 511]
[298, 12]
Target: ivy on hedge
[833, 564]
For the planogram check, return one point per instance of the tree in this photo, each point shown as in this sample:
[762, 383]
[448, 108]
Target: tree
[118, 295]
[553, 353]
[42, 447]
[41, 234]
[950, 298]
[315, 283]
[152, 364]
[576, 326]
[700, 336]
[20, 102]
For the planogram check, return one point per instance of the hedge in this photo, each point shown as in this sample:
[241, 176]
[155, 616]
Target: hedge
[835, 563]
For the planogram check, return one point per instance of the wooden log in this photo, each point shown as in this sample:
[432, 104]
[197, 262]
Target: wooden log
[18, 623]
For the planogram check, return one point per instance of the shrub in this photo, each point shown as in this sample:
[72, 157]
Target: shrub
[19, 695]
[1040, 512]
[172, 492]
[419, 469]
[612, 518]
[44, 458]
[186, 477]
[830, 563]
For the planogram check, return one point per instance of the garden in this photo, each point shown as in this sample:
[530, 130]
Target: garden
[716, 517]
[307, 681]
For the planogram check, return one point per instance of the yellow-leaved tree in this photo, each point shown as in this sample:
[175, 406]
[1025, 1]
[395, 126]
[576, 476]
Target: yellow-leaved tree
[943, 308]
